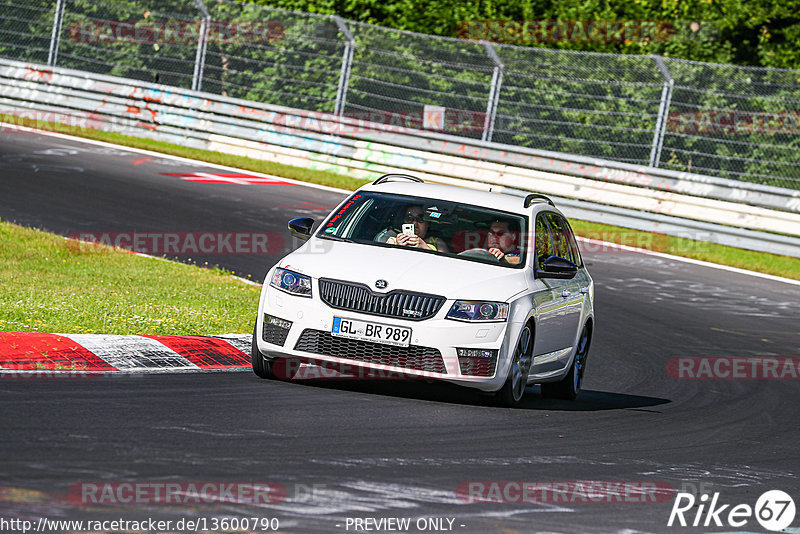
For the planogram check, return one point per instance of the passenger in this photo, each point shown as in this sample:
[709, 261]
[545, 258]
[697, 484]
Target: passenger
[416, 215]
[503, 242]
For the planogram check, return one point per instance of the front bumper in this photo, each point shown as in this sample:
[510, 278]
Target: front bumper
[432, 353]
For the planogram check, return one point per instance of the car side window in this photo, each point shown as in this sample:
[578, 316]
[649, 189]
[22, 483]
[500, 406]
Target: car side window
[544, 243]
[563, 239]
[575, 252]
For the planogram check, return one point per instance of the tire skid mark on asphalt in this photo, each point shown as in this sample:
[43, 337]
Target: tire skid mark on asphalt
[364, 497]
[706, 297]
[722, 476]
[445, 461]
[658, 280]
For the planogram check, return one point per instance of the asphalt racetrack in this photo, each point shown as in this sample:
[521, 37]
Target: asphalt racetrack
[344, 449]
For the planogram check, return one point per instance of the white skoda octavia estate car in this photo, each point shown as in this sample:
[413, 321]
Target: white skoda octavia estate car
[480, 289]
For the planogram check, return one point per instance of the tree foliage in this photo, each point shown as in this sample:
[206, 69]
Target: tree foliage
[744, 32]
[738, 122]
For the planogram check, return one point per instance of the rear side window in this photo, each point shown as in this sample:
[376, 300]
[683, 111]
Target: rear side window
[573, 246]
[564, 243]
[544, 243]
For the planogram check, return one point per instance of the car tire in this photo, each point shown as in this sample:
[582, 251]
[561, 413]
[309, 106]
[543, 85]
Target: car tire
[568, 387]
[261, 366]
[510, 395]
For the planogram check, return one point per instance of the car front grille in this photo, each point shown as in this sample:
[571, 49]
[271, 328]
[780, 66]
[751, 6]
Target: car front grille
[412, 357]
[360, 298]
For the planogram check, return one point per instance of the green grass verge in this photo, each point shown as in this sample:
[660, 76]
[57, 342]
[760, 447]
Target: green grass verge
[51, 284]
[745, 259]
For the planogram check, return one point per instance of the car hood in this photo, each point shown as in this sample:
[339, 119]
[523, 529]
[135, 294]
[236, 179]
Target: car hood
[453, 278]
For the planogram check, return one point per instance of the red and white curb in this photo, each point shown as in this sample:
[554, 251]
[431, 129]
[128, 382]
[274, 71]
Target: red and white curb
[34, 352]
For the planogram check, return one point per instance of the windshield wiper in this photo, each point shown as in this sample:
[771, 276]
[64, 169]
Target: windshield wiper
[335, 238]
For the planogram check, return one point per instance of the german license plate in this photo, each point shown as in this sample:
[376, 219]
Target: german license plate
[399, 336]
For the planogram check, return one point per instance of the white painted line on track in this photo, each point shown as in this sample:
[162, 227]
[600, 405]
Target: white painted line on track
[245, 280]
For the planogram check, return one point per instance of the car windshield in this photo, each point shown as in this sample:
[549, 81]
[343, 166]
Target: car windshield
[431, 226]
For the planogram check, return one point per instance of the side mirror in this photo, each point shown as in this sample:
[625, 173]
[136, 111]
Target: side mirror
[557, 267]
[301, 228]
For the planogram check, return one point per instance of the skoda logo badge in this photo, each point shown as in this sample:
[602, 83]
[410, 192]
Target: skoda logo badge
[381, 284]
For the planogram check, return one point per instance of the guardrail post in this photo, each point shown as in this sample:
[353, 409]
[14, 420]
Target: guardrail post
[347, 63]
[494, 93]
[202, 45]
[55, 38]
[663, 111]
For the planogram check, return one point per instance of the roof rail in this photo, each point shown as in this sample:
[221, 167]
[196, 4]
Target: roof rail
[389, 177]
[536, 196]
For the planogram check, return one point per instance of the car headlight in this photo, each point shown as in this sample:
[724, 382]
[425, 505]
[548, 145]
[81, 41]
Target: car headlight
[470, 310]
[291, 282]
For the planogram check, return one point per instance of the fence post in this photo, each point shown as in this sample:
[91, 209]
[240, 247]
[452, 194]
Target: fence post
[663, 111]
[202, 45]
[347, 62]
[55, 38]
[494, 93]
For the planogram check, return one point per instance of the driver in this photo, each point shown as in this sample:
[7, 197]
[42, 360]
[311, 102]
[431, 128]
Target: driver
[415, 215]
[503, 242]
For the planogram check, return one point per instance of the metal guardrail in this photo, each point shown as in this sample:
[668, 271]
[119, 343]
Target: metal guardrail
[690, 205]
[722, 120]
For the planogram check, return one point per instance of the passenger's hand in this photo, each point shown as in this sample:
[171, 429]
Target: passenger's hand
[408, 240]
[497, 253]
